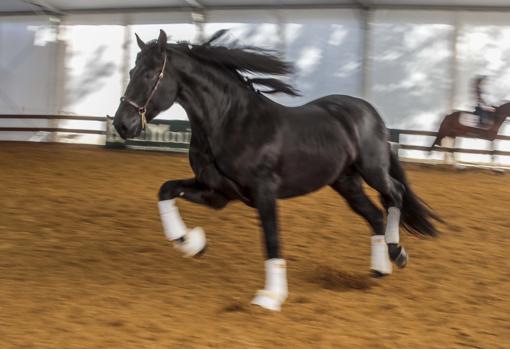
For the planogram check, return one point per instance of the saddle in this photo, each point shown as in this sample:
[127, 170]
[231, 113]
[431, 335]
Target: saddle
[479, 119]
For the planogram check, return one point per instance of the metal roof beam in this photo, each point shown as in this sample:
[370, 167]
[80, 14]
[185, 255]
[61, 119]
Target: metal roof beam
[195, 4]
[42, 7]
[356, 4]
[362, 4]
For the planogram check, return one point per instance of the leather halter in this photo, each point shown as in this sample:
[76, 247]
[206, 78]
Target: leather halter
[143, 110]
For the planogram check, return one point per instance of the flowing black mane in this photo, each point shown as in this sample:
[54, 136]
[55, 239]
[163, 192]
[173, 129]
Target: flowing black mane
[242, 59]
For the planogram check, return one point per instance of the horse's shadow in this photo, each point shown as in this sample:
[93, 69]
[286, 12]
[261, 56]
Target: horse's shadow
[338, 280]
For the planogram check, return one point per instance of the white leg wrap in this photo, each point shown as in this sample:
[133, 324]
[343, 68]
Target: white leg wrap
[173, 226]
[194, 240]
[275, 291]
[380, 257]
[392, 226]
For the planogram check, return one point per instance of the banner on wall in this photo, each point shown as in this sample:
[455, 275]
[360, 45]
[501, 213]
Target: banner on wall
[161, 135]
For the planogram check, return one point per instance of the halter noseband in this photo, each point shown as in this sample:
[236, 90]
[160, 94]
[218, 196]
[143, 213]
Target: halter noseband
[143, 110]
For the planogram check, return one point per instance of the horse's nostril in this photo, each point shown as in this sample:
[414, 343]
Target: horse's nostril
[121, 129]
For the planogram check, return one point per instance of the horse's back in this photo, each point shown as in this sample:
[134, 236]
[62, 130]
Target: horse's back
[358, 117]
[355, 109]
[364, 126]
[334, 121]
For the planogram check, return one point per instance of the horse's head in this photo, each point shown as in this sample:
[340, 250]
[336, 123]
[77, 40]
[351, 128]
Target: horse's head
[150, 91]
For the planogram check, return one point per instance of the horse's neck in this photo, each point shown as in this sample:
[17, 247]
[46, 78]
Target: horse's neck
[502, 113]
[208, 101]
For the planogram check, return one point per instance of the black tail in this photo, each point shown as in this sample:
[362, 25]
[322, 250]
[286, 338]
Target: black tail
[417, 216]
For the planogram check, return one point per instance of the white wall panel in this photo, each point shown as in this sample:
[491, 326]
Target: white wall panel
[93, 64]
[326, 47]
[411, 64]
[27, 65]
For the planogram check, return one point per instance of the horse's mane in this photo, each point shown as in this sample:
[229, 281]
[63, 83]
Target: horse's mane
[232, 58]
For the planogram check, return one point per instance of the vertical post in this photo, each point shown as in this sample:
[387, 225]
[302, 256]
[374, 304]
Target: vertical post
[280, 23]
[59, 88]
[198, 17]
[126, 51]
[454, 63]
[366, 66]
[112, 139]
[55, 71]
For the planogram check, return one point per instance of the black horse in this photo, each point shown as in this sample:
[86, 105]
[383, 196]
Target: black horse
[247, 147]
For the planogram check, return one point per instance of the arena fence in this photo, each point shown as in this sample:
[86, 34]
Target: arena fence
[175, 135]
[395, 138]
[49, 118]
[163, 135]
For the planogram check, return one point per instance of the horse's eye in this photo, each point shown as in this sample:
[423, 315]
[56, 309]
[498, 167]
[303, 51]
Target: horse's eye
[149, 75]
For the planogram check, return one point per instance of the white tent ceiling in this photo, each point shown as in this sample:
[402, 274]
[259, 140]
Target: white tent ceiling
[27, 6]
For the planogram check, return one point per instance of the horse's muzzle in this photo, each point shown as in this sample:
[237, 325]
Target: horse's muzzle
[127, 127]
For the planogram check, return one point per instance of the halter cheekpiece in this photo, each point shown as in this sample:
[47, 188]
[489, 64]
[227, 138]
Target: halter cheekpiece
[142, 110]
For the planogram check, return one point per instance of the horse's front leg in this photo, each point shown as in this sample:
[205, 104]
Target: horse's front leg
[275, 290]
[191, 242]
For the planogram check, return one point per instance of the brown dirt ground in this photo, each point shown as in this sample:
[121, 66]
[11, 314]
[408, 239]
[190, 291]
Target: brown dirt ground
[84, 263]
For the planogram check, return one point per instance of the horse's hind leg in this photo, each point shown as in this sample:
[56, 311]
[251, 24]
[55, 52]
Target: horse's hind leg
[449, 156]
[350, 187]
[377, 175]
[190, 242]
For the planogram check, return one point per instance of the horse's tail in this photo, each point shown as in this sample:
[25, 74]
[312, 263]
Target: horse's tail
[417, 216]
[437, 141]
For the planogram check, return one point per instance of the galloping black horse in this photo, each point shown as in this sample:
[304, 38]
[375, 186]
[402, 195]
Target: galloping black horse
[246, 147]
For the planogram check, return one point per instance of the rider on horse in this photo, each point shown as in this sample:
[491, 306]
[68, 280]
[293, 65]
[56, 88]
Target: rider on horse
[482, 109]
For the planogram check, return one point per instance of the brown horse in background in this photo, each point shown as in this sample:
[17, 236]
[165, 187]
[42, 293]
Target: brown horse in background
[451, 127]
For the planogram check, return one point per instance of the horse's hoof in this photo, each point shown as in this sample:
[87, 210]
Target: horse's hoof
[193, 243]
[201, 253]
[269, 300]
[398, 255]
[401, 260]
[378, 274]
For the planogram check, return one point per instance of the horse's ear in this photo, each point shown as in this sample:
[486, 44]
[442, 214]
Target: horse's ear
[162, 39]
[139, 41]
